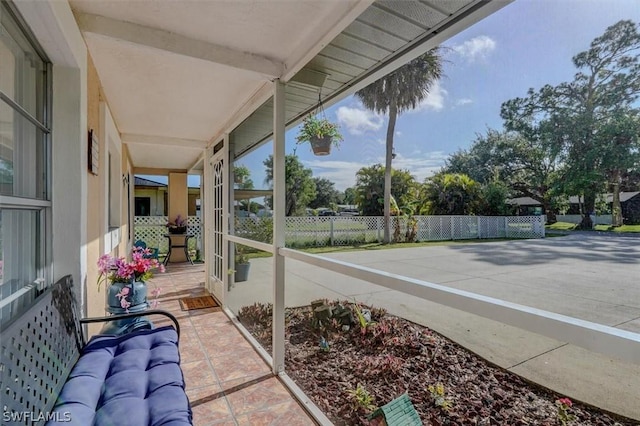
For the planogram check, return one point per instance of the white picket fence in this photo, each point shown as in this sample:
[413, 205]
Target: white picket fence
[336, 231]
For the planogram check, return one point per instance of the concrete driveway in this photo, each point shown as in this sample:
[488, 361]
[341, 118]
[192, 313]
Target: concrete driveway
[588, 276]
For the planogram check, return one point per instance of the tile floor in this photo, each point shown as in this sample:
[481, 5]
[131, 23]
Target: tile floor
[228, 383]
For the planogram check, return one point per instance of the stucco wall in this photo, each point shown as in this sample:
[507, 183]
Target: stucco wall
[95, 201]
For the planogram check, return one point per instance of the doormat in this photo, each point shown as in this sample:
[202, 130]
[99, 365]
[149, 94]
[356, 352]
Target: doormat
[198, 302]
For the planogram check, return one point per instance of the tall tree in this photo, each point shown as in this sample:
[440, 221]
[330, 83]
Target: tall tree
[370, 185]
[300, 187]
[452, 194]
[350, 196]
[572, 114]
[326, 194]
[242, 177]
[528, 164]
[621, 137]
[395, 93]
[242, 180]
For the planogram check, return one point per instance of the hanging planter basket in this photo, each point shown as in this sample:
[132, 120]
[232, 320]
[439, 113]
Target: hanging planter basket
[319, 132]
[321, 146]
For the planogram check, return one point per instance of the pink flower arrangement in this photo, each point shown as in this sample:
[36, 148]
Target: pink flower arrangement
[119, 270]
[179, 222]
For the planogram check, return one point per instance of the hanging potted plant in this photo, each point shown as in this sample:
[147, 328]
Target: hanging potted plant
[320, 133]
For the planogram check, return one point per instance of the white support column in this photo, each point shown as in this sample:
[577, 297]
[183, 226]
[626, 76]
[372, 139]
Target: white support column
[228, 217]
[278, 225]
[206, 210]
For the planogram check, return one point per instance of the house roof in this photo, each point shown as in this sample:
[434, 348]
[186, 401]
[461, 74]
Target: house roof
[182, 74]
[624, 197]
[138, 181]
[524, 201]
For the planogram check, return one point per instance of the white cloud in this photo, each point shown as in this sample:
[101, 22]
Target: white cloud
[464, 101]
[475, 48]
[420, 164]
[343, 173]
[358, 120]
[398, 133]
[434, 100]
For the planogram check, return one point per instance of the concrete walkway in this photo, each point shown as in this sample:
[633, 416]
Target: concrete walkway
[591, 277]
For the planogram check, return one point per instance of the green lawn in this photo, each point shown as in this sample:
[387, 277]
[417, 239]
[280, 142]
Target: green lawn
[562, 226]
[565, 226]
[623, 228]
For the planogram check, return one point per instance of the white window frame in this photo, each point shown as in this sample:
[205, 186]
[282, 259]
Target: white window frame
[42, 205]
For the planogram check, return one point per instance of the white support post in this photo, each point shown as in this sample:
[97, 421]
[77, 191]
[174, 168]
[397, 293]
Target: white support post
[278, 225]
[228, 218]
[331, 231]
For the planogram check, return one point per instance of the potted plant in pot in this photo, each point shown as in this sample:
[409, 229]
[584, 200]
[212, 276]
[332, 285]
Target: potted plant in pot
[320, 133]
[127, 288]
[242, 265]
[178, 226]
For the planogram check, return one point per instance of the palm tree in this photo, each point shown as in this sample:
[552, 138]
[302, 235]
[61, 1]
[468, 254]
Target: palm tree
[395, 93]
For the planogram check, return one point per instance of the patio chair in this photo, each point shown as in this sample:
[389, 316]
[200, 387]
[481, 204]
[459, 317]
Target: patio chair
[154, 251]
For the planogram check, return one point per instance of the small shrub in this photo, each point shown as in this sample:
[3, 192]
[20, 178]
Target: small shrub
[564, 417]
[256, 314]
[439, 398]
[361, 398]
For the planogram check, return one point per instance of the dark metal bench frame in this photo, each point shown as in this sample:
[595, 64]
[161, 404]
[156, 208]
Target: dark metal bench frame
[39, 348]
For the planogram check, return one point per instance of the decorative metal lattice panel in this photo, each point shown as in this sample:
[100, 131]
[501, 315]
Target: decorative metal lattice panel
[38, 350]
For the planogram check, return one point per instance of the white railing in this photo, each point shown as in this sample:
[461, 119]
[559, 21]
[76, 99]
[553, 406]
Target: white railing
[152, 230]
[337, 231]
[611, 341]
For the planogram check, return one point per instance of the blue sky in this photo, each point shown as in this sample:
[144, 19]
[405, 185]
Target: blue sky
[526, 44]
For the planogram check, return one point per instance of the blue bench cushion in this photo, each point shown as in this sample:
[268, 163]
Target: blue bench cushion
[130, 380]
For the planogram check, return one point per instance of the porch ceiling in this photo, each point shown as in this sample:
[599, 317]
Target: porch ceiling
[177, 75]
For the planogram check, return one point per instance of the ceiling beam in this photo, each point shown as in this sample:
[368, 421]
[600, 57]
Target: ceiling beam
[134, 139]
[179, 44]
[156, 171]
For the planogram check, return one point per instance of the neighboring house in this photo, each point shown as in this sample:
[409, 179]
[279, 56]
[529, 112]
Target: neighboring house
[151, 198]
[526, 206]
[629, 201]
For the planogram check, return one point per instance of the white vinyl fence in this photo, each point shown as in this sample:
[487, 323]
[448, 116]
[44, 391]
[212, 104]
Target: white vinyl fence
[152, 230]
[336, 231]
[605, 219]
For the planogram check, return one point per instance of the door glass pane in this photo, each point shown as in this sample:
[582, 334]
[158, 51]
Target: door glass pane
[22, 156]
[21, 259]
[22, 71]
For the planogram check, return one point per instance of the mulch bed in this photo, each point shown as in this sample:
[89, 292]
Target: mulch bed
[390, 356]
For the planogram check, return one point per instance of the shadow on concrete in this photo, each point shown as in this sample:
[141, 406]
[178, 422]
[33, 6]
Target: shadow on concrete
[623, 250]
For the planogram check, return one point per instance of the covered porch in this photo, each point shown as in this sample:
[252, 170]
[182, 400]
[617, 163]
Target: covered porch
[185, 88]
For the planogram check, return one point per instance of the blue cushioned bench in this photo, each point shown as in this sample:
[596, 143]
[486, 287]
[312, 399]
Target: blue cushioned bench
[49, 374]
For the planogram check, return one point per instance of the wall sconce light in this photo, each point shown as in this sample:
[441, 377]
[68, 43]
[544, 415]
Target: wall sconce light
[125, 179]
[393, 153]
